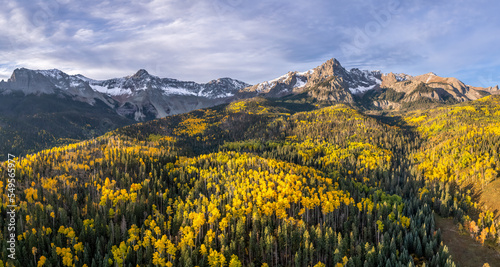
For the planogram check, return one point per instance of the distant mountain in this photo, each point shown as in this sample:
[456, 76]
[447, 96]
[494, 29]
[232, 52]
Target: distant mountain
[442, 87]
[143, 96]
[370, 89]
[140, 96]
[43, 108]
[402, 91]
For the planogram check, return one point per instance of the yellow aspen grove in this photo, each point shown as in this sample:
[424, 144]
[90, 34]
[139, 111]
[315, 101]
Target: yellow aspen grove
[293, 181]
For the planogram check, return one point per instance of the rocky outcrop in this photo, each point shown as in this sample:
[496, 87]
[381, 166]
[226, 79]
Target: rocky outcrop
[29, 82]
[386, 104]
[332, 89]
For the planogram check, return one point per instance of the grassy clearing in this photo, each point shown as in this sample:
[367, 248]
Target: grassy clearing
[490, 197]
[464, 250]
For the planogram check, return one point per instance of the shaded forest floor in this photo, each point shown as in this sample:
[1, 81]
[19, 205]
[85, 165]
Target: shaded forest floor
[465, 251]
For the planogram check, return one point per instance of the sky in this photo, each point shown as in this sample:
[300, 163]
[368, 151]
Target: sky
[252, 41]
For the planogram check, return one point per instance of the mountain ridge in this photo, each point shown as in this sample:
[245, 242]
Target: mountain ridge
[330, 81]
[140, 96]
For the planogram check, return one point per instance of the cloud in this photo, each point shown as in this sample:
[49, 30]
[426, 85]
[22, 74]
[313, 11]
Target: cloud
[251, 41]
[84, 35]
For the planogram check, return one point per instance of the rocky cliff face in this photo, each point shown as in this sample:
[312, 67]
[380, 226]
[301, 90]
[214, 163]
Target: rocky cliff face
[331, 89]
[356, 81]
[29, 82]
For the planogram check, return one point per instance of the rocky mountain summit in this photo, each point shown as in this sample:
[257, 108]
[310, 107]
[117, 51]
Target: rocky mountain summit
[329, 81]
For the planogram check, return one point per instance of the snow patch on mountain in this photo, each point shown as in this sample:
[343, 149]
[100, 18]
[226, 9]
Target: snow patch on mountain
[74, 84]
[430, 75]
[360, 81]
[265, 85]
[311, 71]
[300, 82]
[281, 78]
[113, 91]
[53, 73]
[400, 77]
[177, 91]
[361, 89]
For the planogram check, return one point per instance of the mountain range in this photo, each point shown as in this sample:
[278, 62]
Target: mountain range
[52, 107]
[143, 96]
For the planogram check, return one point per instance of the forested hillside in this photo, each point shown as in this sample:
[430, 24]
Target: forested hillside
[460, 162]
[258, 183]
[31, 123]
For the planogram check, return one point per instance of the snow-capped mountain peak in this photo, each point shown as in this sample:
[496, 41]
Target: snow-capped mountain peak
[305, 72]
[49, 80]
[355, 80]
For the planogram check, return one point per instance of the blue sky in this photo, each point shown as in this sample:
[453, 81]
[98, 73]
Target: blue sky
[252, 41]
